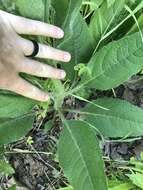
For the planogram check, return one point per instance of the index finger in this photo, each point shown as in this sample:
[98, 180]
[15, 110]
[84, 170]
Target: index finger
[31, 27]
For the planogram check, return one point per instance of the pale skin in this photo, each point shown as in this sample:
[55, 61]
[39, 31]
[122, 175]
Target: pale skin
[14, 51]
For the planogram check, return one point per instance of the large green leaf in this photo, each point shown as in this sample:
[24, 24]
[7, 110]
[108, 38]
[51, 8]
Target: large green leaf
[33, 9]
[59, 15]
[12, 129]
[80, 157]
[105, 17]
[116, 62]
[14, 105]
[77, 40]
[121, 120]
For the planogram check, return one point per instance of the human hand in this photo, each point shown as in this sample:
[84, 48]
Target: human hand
[14, 49]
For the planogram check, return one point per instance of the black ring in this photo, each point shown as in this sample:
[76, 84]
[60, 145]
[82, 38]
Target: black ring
[35, 50]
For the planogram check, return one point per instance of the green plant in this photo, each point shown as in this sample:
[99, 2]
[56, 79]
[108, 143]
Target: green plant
[105, 40]
[128, 175]
[6, 169]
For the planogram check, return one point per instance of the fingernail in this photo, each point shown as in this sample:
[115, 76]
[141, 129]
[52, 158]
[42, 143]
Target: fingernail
[67, 57]
[60, 33]
[63, 74]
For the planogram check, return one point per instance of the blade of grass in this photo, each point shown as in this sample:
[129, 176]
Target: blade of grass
[140, 6]
[88, 101]
[134, 17]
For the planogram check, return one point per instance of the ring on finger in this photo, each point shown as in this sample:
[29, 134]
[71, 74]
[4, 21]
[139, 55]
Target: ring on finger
[35, 49]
